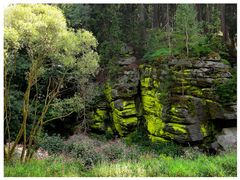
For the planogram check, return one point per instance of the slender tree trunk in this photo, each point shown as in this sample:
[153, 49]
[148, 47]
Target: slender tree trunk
[155, 21]
[186, 42]
[224, 27]
[168, 31]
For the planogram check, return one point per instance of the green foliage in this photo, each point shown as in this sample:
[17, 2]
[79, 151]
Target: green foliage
[163, 166]
[84, 152]
[53, 144]
[202, 166]
[227, 91]
[77, 15]
[156, 45]
[91, 151]
[55, 166]
[85, 156]
[214, 34]
[36, 37]
[187, 35]
[141, 141]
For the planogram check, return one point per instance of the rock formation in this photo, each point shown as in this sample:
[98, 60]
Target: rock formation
[184, 109]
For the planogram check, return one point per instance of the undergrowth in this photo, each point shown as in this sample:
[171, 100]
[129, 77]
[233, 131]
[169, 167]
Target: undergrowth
[84, 156]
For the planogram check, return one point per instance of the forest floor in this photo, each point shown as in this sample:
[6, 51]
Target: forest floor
[115, 158]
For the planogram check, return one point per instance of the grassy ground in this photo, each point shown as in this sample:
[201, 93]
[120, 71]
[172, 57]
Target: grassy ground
[202, 165]
[89, 157]
[165, 166]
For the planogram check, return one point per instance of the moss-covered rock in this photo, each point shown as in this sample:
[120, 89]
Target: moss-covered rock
[124, 116]
[99, 118]
[191, 107]
[121, 95]
[152, 107]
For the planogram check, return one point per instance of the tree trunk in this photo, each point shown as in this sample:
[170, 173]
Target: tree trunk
[168, 31]
[155, 21]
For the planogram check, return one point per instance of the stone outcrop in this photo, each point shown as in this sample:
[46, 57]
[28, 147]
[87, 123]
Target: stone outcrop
[188, 110]
[228, 138]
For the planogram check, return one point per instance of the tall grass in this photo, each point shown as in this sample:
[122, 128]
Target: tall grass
[166, 166]
[83, 156]
[51, 167]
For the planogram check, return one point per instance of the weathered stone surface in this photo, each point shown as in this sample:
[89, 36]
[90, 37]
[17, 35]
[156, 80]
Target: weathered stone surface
[227, 141]
[126, 85]
[127, 50]
[152, 108]
[228, 138]
[127, 60]
[230, 115]
[230, 131]
[98, 120]
[121, 93]
[210, 64]
[215, 110]
[191, 108]
[215, 146]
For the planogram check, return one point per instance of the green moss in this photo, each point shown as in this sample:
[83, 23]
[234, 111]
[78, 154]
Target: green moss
[178, 128]
[145, 82]
[121, 124]
[157, 139]
[190, 90]
[176, 137]
[101, 113]
[121, 117]
[154, 124]
[128, 109]
[156, 84]
[204, 130]
[174, 110]
[177, 119]
[108, 92]
[98, 119]
[183, 81]
[132, 121]
[151, 105]
[129, 104]
[186, 71]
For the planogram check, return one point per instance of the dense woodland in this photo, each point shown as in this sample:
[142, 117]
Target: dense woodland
[58, 59]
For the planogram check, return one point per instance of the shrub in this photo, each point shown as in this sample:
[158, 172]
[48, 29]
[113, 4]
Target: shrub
[119, 151]
[84, 152]
[52, 144]
[227, 91]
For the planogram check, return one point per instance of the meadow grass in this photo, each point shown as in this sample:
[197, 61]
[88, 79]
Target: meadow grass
[166, 166]
[51, 167]
[224, 165]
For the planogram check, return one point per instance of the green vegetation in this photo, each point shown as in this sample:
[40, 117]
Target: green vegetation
[165, 166]
[56, 166]
[115, 158]
[227, 91]
[53, 54]
[118, 89]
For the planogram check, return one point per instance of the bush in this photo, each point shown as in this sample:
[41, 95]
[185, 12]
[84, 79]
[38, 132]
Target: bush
[119, 151]
[53, 144]
[93, 151]
[227, 91]
[85, 150]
